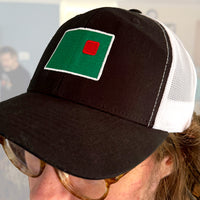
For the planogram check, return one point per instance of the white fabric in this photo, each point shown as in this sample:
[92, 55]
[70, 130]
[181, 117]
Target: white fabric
[177, 104]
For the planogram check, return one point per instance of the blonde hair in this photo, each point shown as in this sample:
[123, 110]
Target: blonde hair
[184, 149]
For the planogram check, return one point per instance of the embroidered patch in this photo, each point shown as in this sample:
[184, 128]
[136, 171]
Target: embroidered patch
[81, 52]
[91, 47]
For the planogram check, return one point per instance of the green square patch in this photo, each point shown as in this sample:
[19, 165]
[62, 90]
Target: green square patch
[81, 52]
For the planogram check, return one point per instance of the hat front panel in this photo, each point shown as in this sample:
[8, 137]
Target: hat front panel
[132, 74]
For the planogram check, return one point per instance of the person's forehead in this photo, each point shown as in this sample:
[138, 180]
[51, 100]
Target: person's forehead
[7, 55]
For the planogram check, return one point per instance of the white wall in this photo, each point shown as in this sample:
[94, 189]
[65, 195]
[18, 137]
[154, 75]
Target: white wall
[71, 8]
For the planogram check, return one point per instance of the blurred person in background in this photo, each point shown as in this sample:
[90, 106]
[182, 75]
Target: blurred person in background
[14, 78]
[108, 113]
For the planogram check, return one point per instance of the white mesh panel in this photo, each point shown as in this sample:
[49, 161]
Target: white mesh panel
[177, 104]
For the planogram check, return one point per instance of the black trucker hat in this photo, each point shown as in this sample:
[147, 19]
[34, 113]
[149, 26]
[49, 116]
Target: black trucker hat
[109, 88]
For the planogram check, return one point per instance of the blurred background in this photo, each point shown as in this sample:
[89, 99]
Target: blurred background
[27, 26]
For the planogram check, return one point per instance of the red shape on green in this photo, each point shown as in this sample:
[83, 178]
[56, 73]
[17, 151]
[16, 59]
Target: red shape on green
[91, 47]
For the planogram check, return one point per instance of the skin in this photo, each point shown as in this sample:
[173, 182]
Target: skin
[8, 62]
[139, 184]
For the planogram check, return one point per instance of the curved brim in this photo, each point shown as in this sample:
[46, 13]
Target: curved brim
[77, 139]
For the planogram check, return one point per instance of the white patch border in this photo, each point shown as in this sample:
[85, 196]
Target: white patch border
[103, 63]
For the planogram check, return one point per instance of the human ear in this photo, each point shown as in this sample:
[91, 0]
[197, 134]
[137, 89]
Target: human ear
[166, 167]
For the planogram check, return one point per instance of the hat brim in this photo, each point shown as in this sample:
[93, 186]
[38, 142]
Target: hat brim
[77, 139]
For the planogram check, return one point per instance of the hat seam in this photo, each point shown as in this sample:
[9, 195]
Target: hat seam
[163, 76]
[99, 107]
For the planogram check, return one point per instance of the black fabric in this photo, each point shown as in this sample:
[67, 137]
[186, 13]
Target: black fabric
[133, 71]
[96, 129]
[74, 138]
